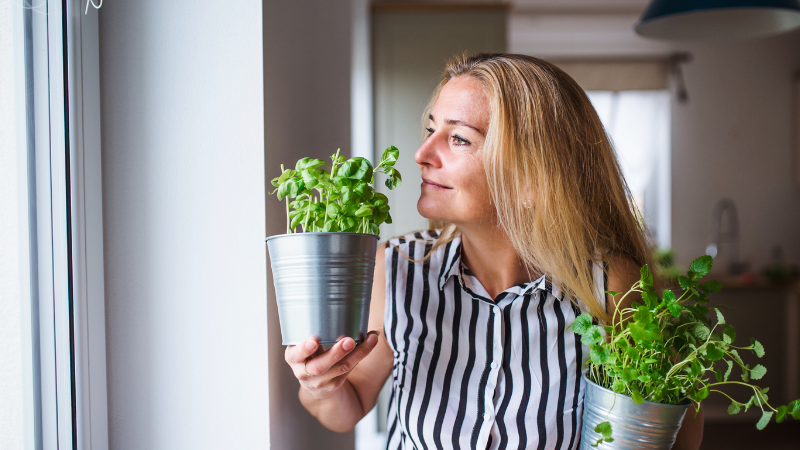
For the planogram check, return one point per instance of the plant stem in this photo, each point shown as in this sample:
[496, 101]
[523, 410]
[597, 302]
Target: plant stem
[308, 213]
[334, 164]
[732, 382]
[617, 304]
[726, 395]
[761, 403]
[327, 200]
[288, 219]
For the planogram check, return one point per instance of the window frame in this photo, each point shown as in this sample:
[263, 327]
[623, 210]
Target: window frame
[65, 398]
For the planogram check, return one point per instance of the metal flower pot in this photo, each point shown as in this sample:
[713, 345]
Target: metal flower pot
[646, 426]
[323, 284]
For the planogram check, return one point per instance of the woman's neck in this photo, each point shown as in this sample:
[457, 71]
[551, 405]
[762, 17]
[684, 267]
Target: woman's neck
[489, 255]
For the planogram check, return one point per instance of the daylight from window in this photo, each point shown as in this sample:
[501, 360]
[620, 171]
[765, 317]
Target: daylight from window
[11, 404]
[638, 124]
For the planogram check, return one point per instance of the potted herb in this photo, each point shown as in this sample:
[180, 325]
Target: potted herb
[657, 358]
[323, 266]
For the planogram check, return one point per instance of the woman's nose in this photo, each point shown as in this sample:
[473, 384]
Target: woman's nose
[427, 153]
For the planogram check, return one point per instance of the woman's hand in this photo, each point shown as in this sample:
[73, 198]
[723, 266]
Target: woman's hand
[321, 373]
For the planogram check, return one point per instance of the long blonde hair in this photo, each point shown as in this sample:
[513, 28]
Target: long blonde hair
[553, 175]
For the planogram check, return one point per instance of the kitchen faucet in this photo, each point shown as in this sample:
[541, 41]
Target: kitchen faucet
[727, 241]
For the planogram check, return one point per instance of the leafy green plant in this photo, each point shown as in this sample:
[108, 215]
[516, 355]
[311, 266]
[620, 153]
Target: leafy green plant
[341, 199]
[674, 347]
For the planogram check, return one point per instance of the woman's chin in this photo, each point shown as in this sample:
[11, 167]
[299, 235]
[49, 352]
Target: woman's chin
[431, 210]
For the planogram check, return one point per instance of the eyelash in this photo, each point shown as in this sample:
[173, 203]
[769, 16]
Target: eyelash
[459, 140]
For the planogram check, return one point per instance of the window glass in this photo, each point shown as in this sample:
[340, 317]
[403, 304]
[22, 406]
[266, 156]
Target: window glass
[638, 124]
[11, 299]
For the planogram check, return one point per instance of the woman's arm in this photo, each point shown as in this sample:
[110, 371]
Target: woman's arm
[690, 436]
[341, 385]
[622, 274]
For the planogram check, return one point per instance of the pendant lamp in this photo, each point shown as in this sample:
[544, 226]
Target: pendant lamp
[703, 20]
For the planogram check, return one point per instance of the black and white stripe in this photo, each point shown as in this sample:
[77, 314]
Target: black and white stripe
[474, 372]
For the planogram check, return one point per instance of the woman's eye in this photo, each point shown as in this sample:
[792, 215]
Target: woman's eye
[458, 140]
[430, 131]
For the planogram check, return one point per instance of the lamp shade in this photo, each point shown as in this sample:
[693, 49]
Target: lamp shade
[698, 20]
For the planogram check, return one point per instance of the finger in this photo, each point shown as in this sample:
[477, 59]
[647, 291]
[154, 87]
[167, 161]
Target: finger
[320, 364]
[296, 354]
[349, 362]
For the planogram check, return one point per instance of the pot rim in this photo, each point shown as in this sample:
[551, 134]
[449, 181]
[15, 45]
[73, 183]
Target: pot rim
[684, 404]
[320, 233]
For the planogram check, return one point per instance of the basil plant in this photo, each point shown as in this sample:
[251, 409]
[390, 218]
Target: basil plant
[339, 199]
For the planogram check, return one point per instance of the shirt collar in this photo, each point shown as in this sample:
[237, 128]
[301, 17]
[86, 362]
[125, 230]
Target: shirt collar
[451, 267]
[451, 261]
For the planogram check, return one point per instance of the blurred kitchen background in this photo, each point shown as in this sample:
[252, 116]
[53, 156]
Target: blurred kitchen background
[195, 105]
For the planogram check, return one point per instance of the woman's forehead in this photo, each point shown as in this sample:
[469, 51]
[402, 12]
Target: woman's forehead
[463, 99]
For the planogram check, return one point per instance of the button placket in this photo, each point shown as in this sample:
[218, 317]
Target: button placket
[490, 418]
[497, 354]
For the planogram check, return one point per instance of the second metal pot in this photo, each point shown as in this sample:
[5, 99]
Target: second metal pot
[646, 426]
[323, 284]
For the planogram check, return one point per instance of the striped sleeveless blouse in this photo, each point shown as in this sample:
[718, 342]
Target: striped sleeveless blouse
[471, 372]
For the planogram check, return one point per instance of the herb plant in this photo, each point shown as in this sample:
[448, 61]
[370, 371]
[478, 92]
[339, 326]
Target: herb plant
[341, 199]
[673, 348]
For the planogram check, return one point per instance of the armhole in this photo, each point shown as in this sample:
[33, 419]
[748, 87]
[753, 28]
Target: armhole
[600, 275]
[387, 301]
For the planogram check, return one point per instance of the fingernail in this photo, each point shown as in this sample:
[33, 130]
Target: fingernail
[372, 339]
[311, 344]
[348, 344]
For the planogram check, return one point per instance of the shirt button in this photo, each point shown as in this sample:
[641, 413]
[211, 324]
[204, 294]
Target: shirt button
[487, 417]
[494, 365]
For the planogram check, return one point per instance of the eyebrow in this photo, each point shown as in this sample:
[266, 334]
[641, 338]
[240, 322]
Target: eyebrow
[458, 122]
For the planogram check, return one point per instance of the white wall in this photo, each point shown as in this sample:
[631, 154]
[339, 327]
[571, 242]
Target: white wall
[734, 138]
[183, 198]
[307, 92]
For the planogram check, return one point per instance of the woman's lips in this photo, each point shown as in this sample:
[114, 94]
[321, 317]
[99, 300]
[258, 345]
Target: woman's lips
[432, 185]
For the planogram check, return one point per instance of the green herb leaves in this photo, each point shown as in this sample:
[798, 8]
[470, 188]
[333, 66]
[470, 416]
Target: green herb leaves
[340, 200]
[701, 266]
[604, 428]
[582, 323]
[758, 349]
[673, 347]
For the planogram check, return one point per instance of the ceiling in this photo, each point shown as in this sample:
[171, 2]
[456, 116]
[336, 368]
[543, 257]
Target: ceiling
[574, 29]
[582, 29]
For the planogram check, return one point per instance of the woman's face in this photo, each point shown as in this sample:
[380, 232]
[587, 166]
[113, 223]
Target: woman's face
[454, 186]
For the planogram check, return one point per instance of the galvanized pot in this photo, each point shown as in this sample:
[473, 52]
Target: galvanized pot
[323, 284]
[646, 426]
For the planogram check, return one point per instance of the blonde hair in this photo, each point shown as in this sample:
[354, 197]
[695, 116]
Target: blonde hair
[553, 175]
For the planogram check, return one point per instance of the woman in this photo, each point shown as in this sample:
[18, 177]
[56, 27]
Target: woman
[530, 224]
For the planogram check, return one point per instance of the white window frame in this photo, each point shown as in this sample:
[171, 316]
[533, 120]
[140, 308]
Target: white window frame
[64, 338]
